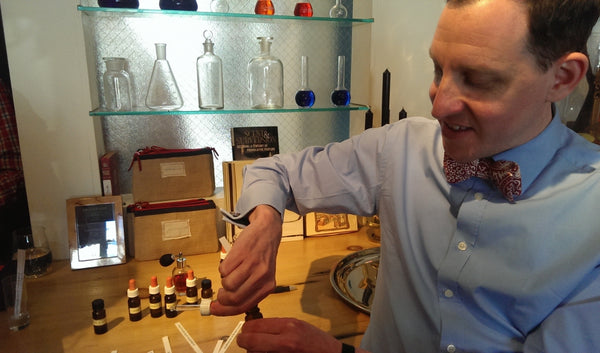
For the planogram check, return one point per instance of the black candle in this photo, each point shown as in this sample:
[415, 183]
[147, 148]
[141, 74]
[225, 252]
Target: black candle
[385, 98]
[368, 119]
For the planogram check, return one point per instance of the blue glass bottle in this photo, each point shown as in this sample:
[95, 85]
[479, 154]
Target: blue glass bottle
[130, 4]
[305, 97]
[185, 5]
[340, 96]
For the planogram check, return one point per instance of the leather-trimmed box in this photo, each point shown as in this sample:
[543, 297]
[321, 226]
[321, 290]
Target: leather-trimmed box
[172, 174]
[187, 226]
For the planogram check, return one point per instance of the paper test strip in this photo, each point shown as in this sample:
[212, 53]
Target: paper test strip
[188, 338]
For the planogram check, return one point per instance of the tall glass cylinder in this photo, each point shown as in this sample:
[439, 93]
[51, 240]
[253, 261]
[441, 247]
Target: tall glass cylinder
[265, 78]
[209, 69]
[117, 85]
[163, 93]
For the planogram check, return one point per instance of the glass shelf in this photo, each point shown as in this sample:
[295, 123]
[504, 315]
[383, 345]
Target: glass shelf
[245, 16]
[142, 111]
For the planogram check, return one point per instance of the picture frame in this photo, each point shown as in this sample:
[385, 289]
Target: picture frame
[322, 224]
[96, 232]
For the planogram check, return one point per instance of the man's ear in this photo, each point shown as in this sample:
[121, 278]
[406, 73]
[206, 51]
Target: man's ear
[568, 71]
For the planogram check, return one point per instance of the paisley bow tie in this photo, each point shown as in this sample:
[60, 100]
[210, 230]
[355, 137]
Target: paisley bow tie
[505, 175]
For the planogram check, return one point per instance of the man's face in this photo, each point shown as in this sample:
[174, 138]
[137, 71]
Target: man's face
[488, 94]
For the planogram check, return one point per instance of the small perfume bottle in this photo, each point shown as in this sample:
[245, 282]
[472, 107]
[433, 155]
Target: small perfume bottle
[170, 299]
[179, 274]
[191, 291]
[304, 9]
[133, 302]
[209, 68]
[264, 7]
[163, 93]
[155, 298]
[265, 78]
[305, 97]
[340, 96]
[99, 317]
[338, 10]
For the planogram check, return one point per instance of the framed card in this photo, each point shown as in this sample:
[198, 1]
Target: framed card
[318, 223]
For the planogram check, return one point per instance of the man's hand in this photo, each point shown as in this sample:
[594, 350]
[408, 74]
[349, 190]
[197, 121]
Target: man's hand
[248, 271]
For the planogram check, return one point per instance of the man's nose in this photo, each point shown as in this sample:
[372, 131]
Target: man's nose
[445, 98]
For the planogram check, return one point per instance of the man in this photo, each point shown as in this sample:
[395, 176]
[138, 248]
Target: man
[464, 267]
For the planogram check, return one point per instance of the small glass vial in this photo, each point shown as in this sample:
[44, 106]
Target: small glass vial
[338, 10]
[179, 274]
[155, 298]
[340, 96]
[305, 97]
[303, 8]
[209, 69]
[117, 85]
[264, 7]
[219, 6]
[99, 317]
[163, 93]
[206, 292]
[170, 299]
[133, 302]
[191, 291]
[265, 78]
[253, 314]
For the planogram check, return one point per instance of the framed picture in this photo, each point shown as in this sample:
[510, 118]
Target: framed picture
[318, 223]
[96, 235]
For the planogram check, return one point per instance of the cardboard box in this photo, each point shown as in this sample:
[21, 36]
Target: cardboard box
[165, 174]
[187, 226]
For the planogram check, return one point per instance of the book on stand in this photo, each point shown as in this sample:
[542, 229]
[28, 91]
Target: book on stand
[109, 173]
[254, 142]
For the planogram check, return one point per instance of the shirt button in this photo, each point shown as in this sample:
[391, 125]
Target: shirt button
[478, 196]
[448, 293]
[451, 348]
[462, 246]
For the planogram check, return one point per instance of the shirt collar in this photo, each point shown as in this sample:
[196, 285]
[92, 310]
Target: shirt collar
[534, 155]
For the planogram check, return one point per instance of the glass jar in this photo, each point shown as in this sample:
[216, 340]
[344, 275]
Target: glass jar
[265, 78]
[209, 68]
[117, 85]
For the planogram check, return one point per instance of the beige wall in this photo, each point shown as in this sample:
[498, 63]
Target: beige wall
[51, 91]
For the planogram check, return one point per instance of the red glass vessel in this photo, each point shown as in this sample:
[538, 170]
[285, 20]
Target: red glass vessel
[303, 9]
[264, 7]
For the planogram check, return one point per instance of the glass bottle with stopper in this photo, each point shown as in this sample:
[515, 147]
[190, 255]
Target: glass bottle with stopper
[264, 7]
[117, 85]
[209, 68]
[305, 97]
[163, 92]
[340, 96]
[265, 78]
[179, 272]
[338, 10]
[303, 8]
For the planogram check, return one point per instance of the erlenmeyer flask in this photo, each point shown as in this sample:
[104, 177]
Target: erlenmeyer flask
[338, 10]
[163, 93]
[304, 9]
[265, 78]
[117, 86]
[264, 7]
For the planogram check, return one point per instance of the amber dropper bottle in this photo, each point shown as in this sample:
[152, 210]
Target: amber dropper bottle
[170, 299]
[253, 314]
[133, 302]
[155, 298]
[99, 317]
[191, 291]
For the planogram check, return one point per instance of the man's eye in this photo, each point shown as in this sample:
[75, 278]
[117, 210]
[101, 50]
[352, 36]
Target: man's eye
[437, 75]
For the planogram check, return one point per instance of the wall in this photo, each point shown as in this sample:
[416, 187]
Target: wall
[49, 78]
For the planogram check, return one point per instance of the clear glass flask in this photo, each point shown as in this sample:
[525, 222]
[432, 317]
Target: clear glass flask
[219, 6]
[265, 78]
[305, 97]
[264, 7]
[209, 68]
[303, 8]
[340, 95]
[338, 10]
[163, 93]
[117, 85]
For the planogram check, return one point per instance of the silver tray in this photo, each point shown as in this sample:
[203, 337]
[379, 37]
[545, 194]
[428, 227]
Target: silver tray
[354, 278]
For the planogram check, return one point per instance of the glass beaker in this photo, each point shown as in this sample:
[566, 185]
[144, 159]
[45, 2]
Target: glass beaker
[117, 85]
[186, 5]
[209, 68]
[219, 6]
[304, 9]
[338, 10]
[264, 7]
[265, 78]
[38, 257]
[163, 93]
[340, 96]
[305, 97]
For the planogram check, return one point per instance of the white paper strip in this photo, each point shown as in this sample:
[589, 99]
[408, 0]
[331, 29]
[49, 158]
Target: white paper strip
[188, 338]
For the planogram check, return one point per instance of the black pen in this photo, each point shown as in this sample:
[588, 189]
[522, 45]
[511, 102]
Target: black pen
[283, 289]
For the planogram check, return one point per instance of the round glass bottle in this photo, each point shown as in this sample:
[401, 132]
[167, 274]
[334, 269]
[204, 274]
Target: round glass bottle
[340, 96]
[209, 69]
[131, 4]
[163, 93]
[338, 10]
[303, 8]
[305, 97]
[185, 5]
[117, 85]
[264, 7]
[265, 78]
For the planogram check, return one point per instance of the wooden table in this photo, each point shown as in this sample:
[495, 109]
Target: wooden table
[61, 312]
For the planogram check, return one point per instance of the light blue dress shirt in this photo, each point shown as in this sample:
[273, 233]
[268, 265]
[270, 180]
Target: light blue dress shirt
[461, 268]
